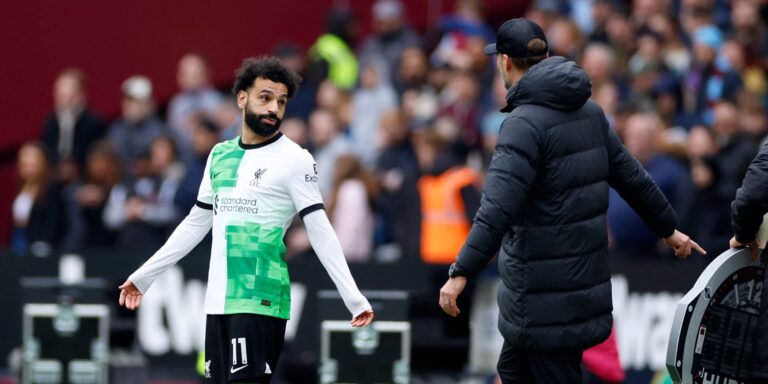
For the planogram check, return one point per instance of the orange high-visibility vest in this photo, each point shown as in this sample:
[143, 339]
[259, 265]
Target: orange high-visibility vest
[444, 225]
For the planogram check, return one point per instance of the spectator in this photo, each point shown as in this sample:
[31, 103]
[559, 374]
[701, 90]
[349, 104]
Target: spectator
[450, 197]
[374, 97]
[627, 229]
[695, 14]
[494, 117]
[565, 38]
[676, 55]
[735, 149]
[38, 208]
[412, 70]
[752, 74]
[667, 96]
[748, 31]
[331, 55]
[72, 128]
[644, 10]
[600, 14]
[328, 144]
[138, 126]
[303, 102]
[89, 199]
[352, 207]
[752, 119]
[645, 67]
[419, 86]
[599, 61]
[463, 35]
[227, 120]
[145, 212]
[711, 79]
[196, 97]
[449, 192]
[331, 98]
[295, 129]
[461, 104]
[398, 173]
[621, 35]
[544, 12]
[390, 37]
[205, 135]
[704, 209]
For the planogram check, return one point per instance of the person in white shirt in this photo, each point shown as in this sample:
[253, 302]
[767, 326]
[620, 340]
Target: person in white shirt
[252, 188]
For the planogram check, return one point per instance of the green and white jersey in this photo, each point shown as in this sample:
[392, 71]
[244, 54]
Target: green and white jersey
[248, 196]
[254, 192]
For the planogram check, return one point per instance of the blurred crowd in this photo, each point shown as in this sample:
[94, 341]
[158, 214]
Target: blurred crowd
[402, 125]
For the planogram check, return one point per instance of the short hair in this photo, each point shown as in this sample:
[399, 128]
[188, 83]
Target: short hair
[537, 49]
[265, 67]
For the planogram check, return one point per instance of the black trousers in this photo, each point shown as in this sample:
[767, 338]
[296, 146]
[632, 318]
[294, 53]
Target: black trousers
[527, 367]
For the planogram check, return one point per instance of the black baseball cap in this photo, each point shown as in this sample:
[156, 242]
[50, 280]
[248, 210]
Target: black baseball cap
[513, 36]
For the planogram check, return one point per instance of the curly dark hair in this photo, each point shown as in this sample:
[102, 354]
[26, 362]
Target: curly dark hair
[265, 67]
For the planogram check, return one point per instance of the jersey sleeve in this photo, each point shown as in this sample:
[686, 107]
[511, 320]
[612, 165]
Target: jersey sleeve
[303, 186]
[205, 193]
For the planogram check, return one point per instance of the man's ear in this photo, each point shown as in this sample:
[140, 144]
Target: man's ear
[242, 99]
[507, 62]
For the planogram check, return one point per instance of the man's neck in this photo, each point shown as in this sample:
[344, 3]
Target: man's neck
[251, 138]
[515, 76]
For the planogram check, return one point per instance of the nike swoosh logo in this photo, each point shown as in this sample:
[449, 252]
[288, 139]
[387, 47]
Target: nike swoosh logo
[218, 173]
[233, 369]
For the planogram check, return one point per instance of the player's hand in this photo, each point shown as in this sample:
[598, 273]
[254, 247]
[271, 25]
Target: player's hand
[752, 246]
[363, 320]
[130, 296]
[450, 293]
[682, 244]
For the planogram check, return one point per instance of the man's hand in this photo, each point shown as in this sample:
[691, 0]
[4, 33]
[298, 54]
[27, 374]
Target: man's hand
[450, 293]
[130, 296]
[682, 244]
[363, 320]
[752, 246]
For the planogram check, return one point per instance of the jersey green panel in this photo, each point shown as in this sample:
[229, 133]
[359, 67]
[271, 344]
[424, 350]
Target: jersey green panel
[225, 161]
[257, 276]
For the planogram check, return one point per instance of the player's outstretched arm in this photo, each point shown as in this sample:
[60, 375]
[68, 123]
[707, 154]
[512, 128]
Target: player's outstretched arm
[328, 249]
[186, 236]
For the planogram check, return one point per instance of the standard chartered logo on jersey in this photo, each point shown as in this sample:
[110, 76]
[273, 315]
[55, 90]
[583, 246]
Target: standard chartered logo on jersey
[234, 204]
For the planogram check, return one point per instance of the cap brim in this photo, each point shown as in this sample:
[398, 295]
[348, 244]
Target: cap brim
[490, 49]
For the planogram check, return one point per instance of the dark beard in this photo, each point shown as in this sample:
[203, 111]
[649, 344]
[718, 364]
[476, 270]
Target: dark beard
[256, 123]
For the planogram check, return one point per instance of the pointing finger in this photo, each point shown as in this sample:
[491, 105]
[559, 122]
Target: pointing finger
[698, 248]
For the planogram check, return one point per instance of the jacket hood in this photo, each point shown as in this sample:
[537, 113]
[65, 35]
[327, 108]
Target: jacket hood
[555, 82]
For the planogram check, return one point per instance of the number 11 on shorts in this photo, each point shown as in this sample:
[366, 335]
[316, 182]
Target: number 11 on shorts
[243, 351]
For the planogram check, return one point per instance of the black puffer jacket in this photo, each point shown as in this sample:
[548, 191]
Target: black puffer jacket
[544, 204]
[751, 201]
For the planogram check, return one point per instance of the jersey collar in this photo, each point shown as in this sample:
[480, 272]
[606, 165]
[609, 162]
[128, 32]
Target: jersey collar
[259, 145]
